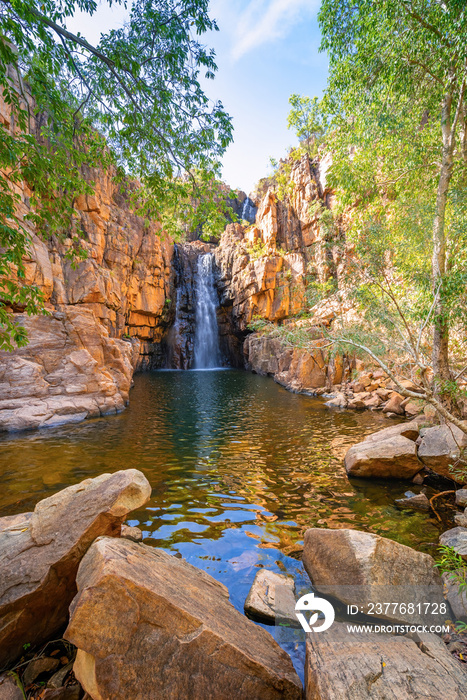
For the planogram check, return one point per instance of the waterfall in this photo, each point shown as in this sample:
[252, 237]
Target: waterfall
[249, 211]
[207, 354]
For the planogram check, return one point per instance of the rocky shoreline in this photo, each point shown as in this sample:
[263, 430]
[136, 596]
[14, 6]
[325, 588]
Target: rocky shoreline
[145, 624]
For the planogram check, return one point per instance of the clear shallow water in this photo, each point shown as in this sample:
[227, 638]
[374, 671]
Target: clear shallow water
[239, 467]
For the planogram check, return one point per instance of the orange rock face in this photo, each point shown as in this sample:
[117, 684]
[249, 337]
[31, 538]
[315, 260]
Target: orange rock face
[77, 363]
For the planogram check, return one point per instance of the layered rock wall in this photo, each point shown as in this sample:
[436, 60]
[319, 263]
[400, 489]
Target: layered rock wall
[264, 272]
[107, 314]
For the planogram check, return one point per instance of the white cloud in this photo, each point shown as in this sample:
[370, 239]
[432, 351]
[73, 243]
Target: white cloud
[264, 21]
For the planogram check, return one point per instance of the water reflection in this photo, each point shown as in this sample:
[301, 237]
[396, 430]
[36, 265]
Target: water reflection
[239, 468]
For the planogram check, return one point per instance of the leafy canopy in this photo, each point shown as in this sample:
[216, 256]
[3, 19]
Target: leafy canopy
[135, 100]
[396, 96]
[308, 120]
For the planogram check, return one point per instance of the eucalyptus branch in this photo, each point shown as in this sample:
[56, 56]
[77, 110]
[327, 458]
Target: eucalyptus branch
[424, 325]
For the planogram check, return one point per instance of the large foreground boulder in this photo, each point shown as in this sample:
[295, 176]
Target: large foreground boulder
[40, 553]
[150, 625]
[357, 666]
[392, 457]
[365, 569]
[441, 447]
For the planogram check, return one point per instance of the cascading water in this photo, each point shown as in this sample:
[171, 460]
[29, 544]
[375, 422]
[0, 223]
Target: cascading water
[206, 351]
[249, 211]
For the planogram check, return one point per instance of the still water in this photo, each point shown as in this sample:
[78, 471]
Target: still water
[239, 466]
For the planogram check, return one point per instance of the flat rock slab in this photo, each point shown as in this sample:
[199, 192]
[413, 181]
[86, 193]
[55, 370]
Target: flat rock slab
[40, 554]
[365, 569]
[271, 597]
[391, 458]
[441, 447]
[461, 497]
[457, 539]
[149, 625]
[409, 430]
[344, 666]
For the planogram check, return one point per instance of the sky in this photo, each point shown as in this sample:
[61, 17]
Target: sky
[265, 51]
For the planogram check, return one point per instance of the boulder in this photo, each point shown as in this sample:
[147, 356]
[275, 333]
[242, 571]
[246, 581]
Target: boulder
[373, 401]
[394, 404]
[411, 409]
[415, 501]
[441, 446]
[131, 533]
[407, 430]
[148, 624]
[461, 497]
[361, 568]
[358, 666]
[356, 403]
[394, 457]
[456, 538]
[338, 401]
[456, 599]
[271, 597]
[10, 687]
[40, 553]
[461, 519]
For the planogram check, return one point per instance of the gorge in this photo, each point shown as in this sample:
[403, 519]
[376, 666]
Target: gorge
[233, 426]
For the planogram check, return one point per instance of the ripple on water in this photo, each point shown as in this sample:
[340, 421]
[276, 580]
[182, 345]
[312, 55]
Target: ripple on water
[239, 468]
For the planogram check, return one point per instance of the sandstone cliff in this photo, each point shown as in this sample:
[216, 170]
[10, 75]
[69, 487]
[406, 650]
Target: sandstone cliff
[106, 315]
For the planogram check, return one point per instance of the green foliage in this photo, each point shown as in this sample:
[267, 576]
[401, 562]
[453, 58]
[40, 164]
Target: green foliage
[256, 250]
[258, 324]
[281, 177]
[396, 96]
[135, 100]
[451, 563]
[308, 120]
[316, 291]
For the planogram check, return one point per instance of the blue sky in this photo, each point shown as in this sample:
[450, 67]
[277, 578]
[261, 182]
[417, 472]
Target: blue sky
[266, 50]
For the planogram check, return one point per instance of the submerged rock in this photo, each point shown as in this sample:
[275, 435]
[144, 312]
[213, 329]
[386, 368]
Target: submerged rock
[393, 457]
[144, 620]
[362, 568]
[358, 666]
[271, 597]
[40, 553]
[415, 501]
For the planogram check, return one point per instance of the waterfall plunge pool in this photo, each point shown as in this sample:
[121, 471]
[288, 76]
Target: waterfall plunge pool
[239, 467]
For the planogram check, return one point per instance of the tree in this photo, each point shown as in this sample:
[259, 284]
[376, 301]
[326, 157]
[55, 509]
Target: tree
[308, 121]
[134, 100]
[397, 93]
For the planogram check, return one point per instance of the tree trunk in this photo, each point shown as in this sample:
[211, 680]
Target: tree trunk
[441, 326]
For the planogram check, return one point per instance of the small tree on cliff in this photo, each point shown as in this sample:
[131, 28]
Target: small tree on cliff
[308, 121]
[139, 88]
[397, 93]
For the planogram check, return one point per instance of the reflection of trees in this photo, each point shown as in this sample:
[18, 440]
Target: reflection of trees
[219, 441]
